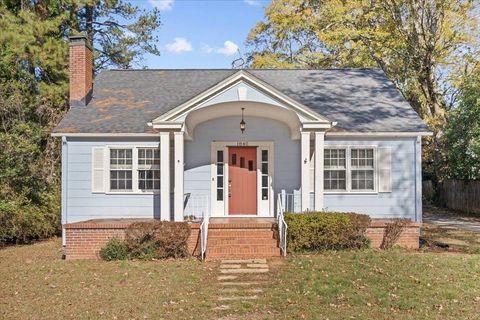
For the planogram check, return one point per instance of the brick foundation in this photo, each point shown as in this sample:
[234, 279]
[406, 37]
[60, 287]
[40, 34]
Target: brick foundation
[85, 239]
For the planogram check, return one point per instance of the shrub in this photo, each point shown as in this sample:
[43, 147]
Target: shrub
[326, 230]
[22, 223]
[392, 232]
[157, 240]
[115, 249]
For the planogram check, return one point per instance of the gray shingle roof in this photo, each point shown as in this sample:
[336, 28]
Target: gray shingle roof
[359, 100]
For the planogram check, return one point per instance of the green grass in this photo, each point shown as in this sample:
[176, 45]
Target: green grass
[374, 284]
[334, 285]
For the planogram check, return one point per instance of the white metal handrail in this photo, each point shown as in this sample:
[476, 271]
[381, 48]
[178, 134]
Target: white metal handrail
[282, 225]
[204, 234]
[195, 206]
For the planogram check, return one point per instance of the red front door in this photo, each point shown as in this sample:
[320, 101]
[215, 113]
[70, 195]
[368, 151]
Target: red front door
[242, 180]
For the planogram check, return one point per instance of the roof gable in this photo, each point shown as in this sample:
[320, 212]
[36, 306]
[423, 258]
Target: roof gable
[241, 86]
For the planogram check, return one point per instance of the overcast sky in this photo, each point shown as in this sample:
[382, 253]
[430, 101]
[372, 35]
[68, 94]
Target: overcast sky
[202, 34]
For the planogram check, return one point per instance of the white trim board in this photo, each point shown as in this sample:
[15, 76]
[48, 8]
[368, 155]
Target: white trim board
[377, 134]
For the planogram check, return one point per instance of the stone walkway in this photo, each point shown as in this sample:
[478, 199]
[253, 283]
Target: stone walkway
[240, 280]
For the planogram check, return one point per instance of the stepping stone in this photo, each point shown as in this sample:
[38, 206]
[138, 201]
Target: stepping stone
[230, 266]
[238, 283]
[237, 261]
[221, 278]
[244, 271]
[254, 290]
[229, 290]
[222, 307]
[237, 298]
[257, 265]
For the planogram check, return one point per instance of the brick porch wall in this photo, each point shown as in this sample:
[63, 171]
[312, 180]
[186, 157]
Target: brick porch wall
[85, 239]
[408, 239]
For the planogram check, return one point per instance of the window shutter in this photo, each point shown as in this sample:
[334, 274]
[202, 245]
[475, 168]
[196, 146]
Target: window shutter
[384, 169]
[98, 169]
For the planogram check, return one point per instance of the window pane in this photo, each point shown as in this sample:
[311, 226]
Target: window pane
[219, 169]
[264, 181]
[220, 194]
[264, 168]
[264, 155]
[220, 182]
[334, 180]
[234, 159]
[334, 158]
[242, 162]
[362, 180]
[264, 194]
[220, 156]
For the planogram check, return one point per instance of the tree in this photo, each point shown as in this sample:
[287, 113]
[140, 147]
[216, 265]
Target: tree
[420, 45]
[34, 94]
[414, 42]
[462, 133]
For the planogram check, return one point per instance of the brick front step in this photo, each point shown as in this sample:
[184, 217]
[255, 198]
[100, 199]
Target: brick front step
[242, 238]
[258, 234]
[242, 241]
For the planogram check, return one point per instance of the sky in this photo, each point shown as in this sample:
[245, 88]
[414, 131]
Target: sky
[202, 34]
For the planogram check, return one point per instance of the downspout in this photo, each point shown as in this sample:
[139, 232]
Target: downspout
[64, 192]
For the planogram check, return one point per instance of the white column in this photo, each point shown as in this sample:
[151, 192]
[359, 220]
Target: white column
[165, 175]
[319, 145]
[178, 184]
[305, 188]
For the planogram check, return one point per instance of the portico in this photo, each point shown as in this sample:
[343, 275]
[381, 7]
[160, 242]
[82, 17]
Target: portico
[281, 135]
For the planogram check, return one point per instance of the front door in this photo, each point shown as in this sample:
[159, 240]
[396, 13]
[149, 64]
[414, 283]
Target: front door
[242, 180]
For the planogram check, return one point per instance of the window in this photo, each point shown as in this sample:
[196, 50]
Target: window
[335, 169]
[121, 169]
[264, 174]
[362, 165]
[148, 169]
[220, 175]
[349, 169]
[134, 169]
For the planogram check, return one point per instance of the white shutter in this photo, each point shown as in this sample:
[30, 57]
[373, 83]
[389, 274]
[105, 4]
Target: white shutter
[98, 169]
[384, 169]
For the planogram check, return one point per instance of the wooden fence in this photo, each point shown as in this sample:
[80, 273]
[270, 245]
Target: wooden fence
[456, 194]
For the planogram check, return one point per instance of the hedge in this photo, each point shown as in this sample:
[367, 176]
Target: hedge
[313, 231]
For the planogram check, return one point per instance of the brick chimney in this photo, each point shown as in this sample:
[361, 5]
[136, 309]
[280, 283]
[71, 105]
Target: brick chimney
[81, 71]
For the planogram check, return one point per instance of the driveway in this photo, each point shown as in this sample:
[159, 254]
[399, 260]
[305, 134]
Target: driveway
[452, 220]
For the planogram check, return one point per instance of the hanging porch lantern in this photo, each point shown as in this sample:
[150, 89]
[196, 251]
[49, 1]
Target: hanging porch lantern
[243, 125]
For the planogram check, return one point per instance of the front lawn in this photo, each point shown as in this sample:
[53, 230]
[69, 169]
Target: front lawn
[335, 285]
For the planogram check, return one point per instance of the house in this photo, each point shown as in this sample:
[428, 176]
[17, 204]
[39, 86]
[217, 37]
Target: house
[202, 145]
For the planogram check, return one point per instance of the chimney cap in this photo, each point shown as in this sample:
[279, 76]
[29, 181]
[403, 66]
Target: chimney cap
[80, 39]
